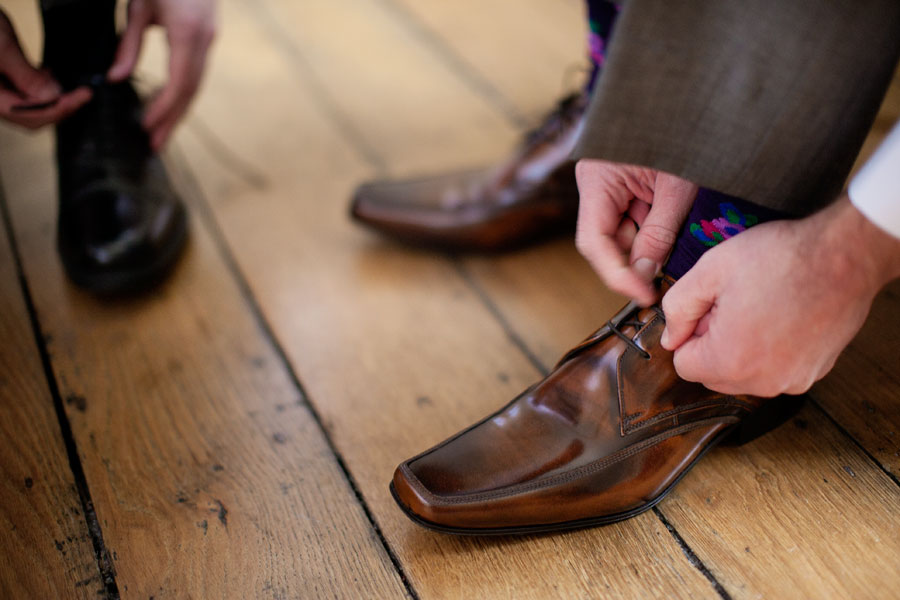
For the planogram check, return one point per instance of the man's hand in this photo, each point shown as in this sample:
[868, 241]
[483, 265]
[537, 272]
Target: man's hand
[768, 311]
[628, 221]
[190, 28]
[30, 97]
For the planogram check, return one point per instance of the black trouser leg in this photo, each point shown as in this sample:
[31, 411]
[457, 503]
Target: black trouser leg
[79, 39]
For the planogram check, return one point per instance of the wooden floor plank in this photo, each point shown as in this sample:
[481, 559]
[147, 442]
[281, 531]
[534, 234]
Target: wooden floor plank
[357, 59]
[210, 476]
[383, 337]
[800, 513]
[866, 500]
[551, 299]
[560, 302]
[527, 52]
[46, 545]
[867, 406]
[861, 392]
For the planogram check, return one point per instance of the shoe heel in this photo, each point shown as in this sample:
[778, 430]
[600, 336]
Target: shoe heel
[766, 418]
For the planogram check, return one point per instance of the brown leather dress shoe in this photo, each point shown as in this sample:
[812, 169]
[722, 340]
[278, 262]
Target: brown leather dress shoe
[531, 195]
[601, 439]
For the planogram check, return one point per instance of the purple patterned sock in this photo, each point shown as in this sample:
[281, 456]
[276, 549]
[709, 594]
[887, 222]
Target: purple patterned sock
[601, 19]
[714, 218]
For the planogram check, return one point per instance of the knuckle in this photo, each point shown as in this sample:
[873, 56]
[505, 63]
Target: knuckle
[683, 366]
[582, 168]
[657, 237]
[584, 242]
[670, 307]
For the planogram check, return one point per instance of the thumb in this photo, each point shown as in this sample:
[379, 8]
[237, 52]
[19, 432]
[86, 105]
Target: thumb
[129, 50]
[692, 360]
[686, 303]
[672, 200]
[36, 85]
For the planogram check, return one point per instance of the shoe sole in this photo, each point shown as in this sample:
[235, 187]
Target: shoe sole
[739, 434]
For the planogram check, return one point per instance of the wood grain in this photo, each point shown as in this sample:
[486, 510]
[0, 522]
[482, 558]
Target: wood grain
[46, 546]
[393, 347]
[209, 476]
[862, 390]
[799, 513]
[520, 56]
[861, 393]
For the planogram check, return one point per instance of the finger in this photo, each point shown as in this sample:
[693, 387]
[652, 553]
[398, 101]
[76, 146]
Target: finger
[687, 302]
[691, 361]
[672, 201]
[160, 135]
[129, 50]
[608, 260]
[704, 359]
[68, 103]
[187, 60]
[638, 210]
[35, 85]
[603, 202]
[625, 234]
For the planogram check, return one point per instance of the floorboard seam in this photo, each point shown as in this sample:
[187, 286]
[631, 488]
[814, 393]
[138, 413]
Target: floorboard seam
[517, 340]
[105, 565]
[853, 439]
[201, 206]
[495, 311]
[458, 65]
[317, 90]
[691, 556]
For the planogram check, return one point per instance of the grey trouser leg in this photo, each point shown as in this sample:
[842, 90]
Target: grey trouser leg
[768, 101]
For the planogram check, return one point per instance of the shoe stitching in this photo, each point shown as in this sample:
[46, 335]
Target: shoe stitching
[619, 377]
[630, 423]
[583, 471]
[635, 422]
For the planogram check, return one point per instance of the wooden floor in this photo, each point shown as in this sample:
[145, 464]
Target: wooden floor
[232, 435]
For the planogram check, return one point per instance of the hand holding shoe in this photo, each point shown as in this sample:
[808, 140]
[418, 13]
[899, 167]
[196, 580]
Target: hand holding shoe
[190, 29]
[769, 311]
[30, 97]
[628, 221]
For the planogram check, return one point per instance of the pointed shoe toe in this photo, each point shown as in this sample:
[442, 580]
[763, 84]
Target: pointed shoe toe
[605, 436]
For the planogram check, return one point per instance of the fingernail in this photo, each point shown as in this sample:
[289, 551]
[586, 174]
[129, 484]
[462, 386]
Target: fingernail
[664, 340]
[645, 268]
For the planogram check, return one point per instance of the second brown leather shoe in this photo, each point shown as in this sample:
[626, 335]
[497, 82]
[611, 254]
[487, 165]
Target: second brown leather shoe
[602, 438]
[531, 195]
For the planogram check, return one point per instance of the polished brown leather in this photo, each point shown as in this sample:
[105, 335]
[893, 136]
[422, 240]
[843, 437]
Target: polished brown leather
[531, 195]
[602, 438]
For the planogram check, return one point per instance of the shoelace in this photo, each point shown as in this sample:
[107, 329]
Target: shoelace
[554, 122]
[637, 325]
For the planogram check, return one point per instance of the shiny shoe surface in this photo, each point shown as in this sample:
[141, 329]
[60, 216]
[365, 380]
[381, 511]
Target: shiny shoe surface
[601, 439]
[121, 225]
[531, 195]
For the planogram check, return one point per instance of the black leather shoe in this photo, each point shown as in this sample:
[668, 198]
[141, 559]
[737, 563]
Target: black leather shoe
[121, 225]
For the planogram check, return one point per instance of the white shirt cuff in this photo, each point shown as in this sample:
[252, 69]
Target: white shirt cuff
[875, 190]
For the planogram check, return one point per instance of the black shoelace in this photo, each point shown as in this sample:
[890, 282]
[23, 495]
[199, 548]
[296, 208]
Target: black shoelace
[555, 122]
[637, 325]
